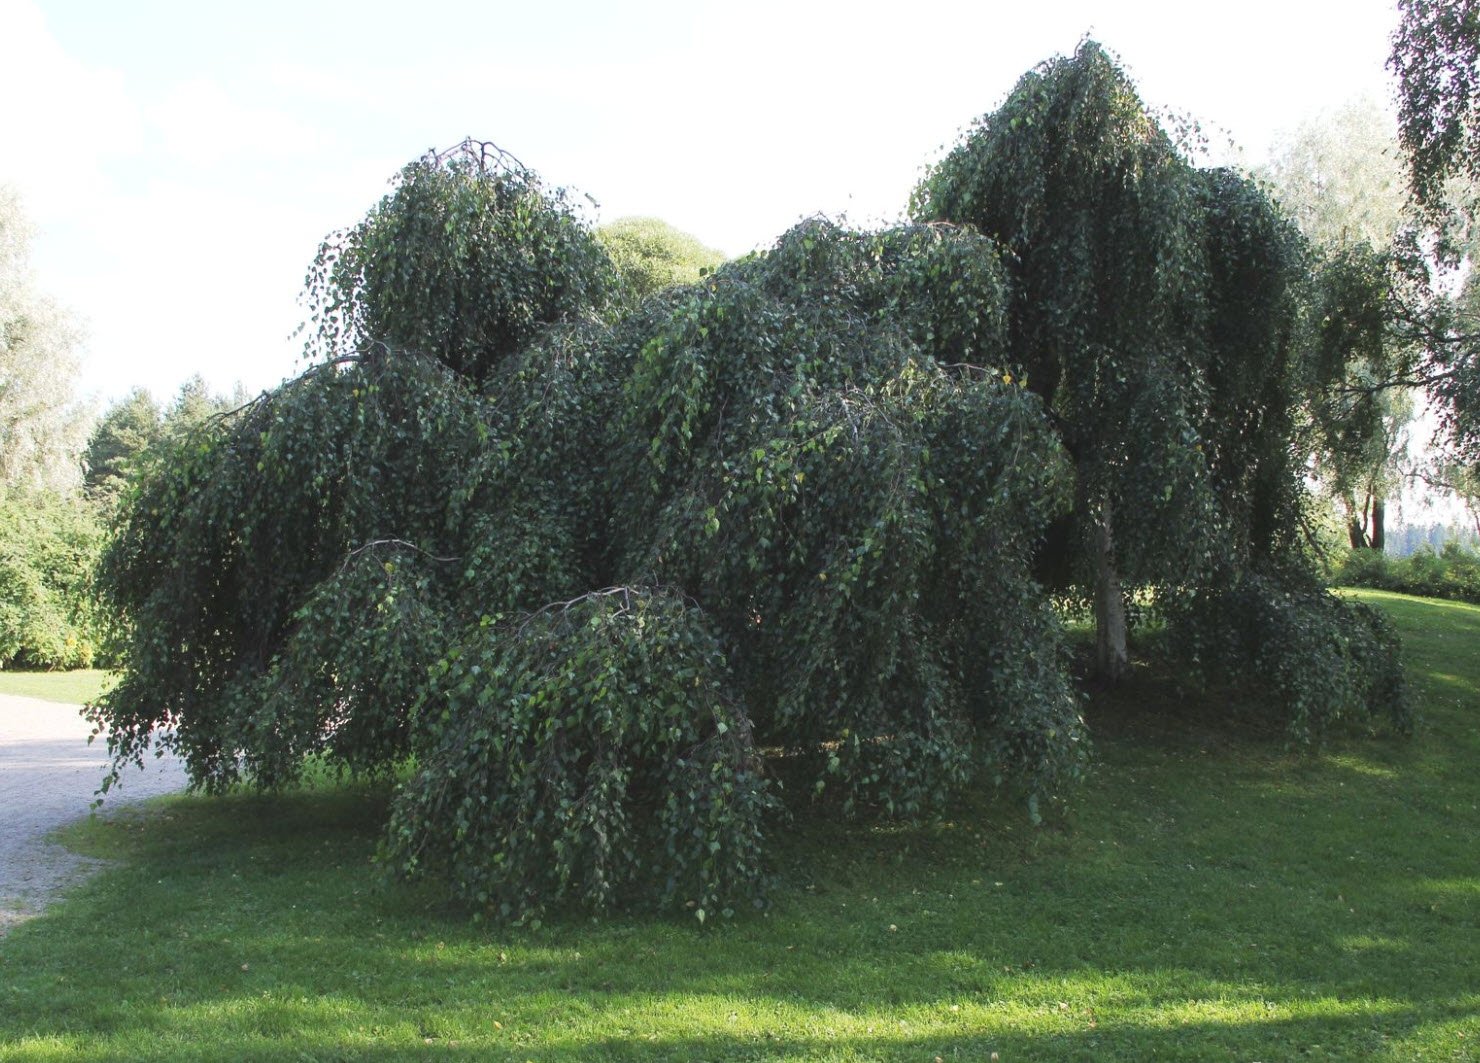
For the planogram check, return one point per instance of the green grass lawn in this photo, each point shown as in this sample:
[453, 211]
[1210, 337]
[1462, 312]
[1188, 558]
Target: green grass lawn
[1211, 898]
[74, 688]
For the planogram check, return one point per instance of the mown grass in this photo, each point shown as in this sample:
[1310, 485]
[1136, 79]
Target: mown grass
[1212, 898]
[76, 687]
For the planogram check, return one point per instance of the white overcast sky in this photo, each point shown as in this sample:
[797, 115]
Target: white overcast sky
[181, 160]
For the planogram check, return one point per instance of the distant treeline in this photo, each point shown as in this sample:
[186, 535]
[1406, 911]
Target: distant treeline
[1406, 539]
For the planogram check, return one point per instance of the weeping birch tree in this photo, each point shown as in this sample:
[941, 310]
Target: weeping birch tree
[1156, 310]
[1102, 219]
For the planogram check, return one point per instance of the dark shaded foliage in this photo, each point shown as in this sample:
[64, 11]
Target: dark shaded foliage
[1158, 310]
[590, 753]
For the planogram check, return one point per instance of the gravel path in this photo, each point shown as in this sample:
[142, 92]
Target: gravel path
[49, 776]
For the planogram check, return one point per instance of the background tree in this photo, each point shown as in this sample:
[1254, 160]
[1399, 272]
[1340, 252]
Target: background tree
[127, 429]
[41, 428]
[651, 255]
[134, 425]
[49, 542]
[48, 537]
[1341, 180]
[194, 402]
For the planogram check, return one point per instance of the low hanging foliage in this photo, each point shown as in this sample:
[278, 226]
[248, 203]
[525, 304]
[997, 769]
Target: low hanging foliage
[1324, 660]
[234, 555]
[858, 517]
[592, 753]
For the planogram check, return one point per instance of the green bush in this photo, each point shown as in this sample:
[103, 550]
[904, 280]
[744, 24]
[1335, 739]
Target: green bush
[1453, 572]
[1323, 661]
[590, 754]
[48, 544]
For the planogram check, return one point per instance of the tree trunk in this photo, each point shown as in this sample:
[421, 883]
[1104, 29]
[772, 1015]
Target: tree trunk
[1379, 512]
[1111, 658]
[1356, 523]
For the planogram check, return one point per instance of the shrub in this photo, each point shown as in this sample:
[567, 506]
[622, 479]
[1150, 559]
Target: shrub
[48, 544]
[1323, 661]
[1453, 572]
[588, 753]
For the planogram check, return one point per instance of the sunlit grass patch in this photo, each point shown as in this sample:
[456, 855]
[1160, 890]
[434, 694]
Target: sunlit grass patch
[76, 687]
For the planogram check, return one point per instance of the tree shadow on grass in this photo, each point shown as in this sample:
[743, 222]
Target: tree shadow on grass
[231, 909]
[1212, 898]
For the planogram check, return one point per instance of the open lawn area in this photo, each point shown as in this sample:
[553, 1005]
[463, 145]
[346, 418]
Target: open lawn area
[74, 688]
[1211, 897]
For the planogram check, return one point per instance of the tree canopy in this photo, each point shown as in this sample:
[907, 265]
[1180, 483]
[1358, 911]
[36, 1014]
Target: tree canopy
[470, 214]
[604, 574]
[41, 427]
[651, 255]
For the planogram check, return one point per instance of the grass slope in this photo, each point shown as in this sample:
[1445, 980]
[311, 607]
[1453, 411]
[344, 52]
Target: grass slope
[1213, 898]
[73, 688]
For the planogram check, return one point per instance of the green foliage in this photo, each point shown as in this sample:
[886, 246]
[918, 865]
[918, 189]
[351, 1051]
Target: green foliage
[651, 255]
[48, 544]
[1453, 572]
[126, 430]
[1436, 58]
[856, 516]
[590, 753]
[1102, 220]
[1325, 661]
[467, 260]
[1157, 311]
[221, 556]
[1254, 369]
[347, 679]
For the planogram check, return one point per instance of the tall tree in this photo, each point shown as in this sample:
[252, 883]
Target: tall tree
[42, 429]
[1102, 221]
[1341, 180]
